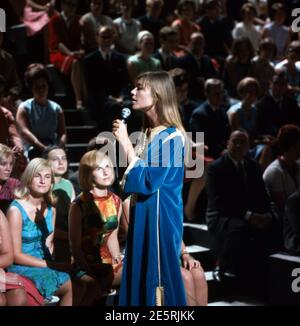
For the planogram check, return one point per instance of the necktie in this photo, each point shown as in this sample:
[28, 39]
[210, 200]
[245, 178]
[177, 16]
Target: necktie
[242, 175]
[107, 58]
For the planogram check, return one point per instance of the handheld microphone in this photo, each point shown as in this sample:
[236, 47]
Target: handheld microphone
[125, 113]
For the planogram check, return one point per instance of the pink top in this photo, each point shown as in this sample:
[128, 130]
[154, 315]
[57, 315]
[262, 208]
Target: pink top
[7, 193]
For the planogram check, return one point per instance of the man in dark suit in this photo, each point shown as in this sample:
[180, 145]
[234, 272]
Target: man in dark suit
[198, 65]
[210, 117]
[168, 38]
[276, 108]
[106, 78]
[238, 213]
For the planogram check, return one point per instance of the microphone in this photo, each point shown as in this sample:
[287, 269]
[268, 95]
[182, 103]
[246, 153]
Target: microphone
[125, 113]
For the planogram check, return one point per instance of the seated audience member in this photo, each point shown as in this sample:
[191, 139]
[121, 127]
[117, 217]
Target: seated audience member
[238, 65]
[276, 108]
[13, 86]
[185, 104]
[184, 24]
[168, 39]
[91, 22]
[216, 31]
[151, 21]
[276, 29]
[292, 70]
[210, 117]
[186, 107]
[263, 67]
[291, 224]
[282, 176]
[193, 279]
[41, 121]
[12, 292]
[106, 78]
[143, 61]
[94, 221]
[198, 65]
[9, 134]
[64, 193]
[127, 28]
[238, 214]
[36, 15]
[32, 220]
[7, 184]
[244, 113]
[247, 28]
[65, 50]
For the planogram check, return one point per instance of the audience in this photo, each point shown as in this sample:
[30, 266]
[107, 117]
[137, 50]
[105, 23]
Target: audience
[238, 215]
[7, 183]
[282, 176]
[13, 87]
[65, 47]
[64, 193]
[41, 120]
[91, 23]
[89, 42]
[127, 28]
[143, 61]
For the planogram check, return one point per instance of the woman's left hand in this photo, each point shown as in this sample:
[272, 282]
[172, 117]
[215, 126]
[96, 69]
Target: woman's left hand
[119, 130]
[189, 262]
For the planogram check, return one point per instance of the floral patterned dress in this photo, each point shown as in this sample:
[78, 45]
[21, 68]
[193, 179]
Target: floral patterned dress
[100, 219]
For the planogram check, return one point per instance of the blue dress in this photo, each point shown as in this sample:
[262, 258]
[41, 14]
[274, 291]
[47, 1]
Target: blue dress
[34, 235]
[157, 186]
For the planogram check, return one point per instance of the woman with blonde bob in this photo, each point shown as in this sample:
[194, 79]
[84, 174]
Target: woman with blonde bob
[31, 220]
[94, 222]
[151, 273]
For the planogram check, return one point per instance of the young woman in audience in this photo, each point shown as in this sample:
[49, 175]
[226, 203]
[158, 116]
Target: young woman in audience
[32, 219]
[64, 193]
[41, 121]
[7, 183]
[94, 222]
[143, 61]
[11, 293]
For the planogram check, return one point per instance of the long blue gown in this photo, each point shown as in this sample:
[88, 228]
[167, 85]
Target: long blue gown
[140, 271]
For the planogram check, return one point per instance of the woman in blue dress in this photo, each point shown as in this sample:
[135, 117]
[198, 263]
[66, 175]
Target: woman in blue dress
[152, 260]
[31, 219]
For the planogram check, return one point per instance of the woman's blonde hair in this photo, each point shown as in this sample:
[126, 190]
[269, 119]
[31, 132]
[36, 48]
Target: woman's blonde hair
[35, 166]
[88, 164]
[5, 152]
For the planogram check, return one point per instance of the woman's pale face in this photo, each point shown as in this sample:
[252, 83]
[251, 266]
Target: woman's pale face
[41, 182]
[147, 44]
[58, 161]
[6, 166]
[103, 175]
[141, 97]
